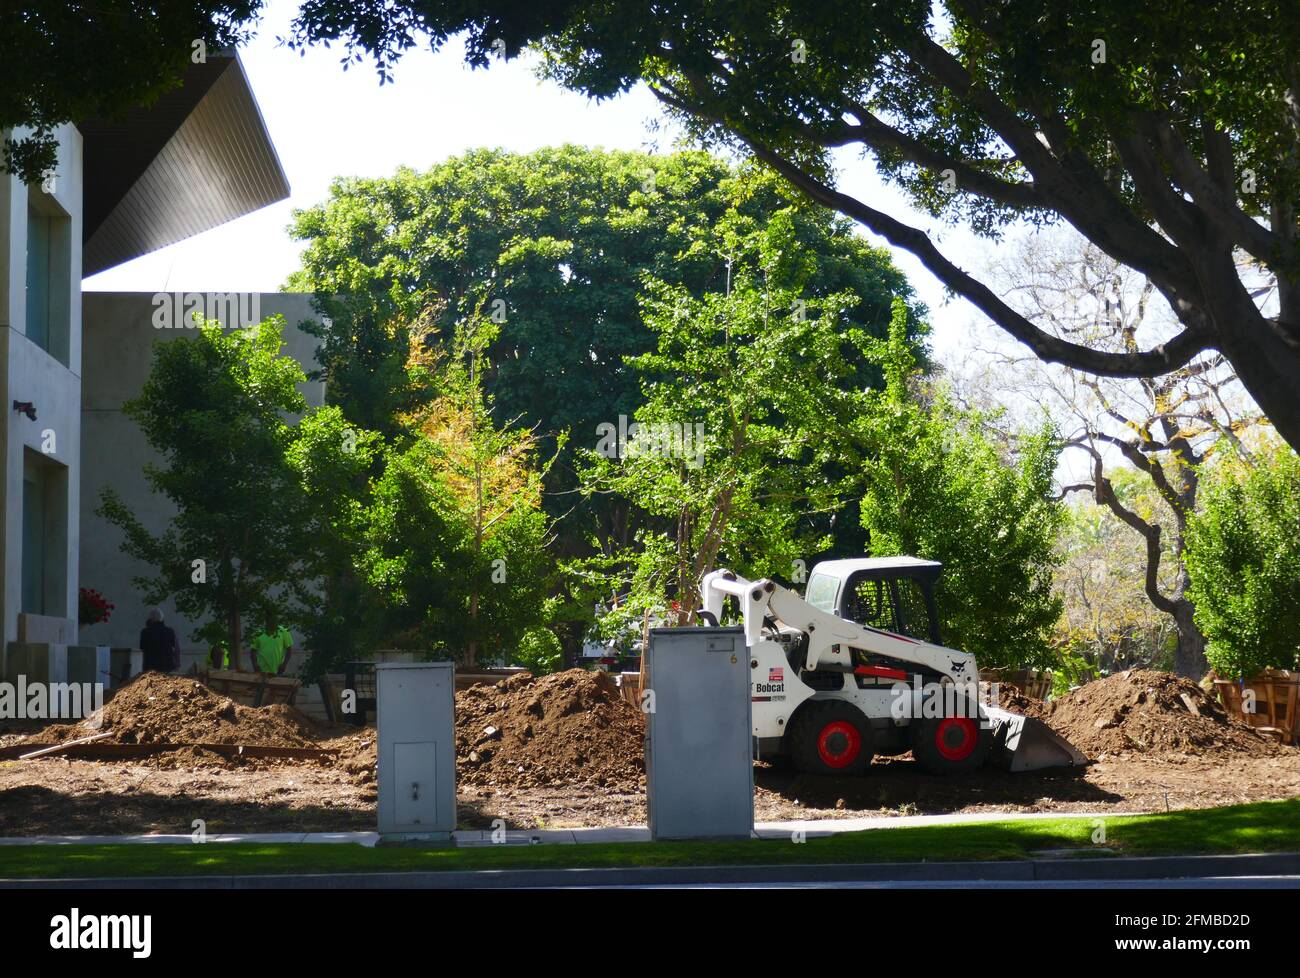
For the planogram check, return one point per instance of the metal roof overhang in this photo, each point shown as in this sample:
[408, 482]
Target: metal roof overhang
[196, 158]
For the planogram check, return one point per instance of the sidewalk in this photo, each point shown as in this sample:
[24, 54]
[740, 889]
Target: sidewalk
[811, 828]
[1276, 870]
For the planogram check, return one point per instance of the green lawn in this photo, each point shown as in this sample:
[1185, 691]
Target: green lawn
[1260, 827]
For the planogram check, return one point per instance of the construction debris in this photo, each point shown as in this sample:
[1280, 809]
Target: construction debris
[1149, 712]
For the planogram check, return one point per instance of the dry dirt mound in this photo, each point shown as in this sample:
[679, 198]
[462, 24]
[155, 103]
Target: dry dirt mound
[1148, 712]
[568, 728]
[160, 709]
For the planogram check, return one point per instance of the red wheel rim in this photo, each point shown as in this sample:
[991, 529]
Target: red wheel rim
[956, 737]
[839, 744]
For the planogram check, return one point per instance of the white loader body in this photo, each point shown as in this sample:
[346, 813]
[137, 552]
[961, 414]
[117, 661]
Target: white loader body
[805, 660]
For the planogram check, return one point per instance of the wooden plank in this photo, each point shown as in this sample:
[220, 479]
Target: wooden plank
[59, 748]
[253, 688]
[126, 752]
[490, 677]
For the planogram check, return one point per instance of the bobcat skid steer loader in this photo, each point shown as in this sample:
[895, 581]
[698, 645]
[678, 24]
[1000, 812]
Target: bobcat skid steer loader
[855, 669]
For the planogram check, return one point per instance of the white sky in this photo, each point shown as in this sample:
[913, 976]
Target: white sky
[327, 122]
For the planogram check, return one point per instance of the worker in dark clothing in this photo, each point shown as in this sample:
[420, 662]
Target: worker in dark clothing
[162, 650]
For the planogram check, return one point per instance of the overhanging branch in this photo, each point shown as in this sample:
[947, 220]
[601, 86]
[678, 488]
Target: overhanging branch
[1159, 360]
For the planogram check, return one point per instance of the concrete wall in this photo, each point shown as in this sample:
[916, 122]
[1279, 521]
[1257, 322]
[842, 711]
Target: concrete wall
[121, 329]
[50, 380]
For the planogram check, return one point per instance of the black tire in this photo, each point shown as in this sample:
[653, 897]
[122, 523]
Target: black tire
[951, 745]
[831, 737]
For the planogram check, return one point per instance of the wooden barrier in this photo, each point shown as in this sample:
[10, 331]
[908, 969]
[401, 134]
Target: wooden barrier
[488, 677]
[1277, 703]
[252, 688]
[629, 687]
[332, 687]
[1036, 683]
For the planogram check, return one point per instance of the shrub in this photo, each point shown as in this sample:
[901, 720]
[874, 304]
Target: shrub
[1243, 560]
[539, 652]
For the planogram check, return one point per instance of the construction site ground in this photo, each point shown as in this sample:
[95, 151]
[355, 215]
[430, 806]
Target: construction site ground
[62, 797]
[564, 752]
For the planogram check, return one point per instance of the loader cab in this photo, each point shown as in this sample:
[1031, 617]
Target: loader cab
[893, 594]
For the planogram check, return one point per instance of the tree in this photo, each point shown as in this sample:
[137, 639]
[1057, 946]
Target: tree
[1243, 553]
[746, 397]
[550, 247]
[1107, 618]
[261, 497]
[1163, 428]
[456, 538]
[62, 62]
[1168, 135]
[935, 486]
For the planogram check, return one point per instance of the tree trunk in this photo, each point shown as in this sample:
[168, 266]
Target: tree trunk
[1266, 358]
[1189, 654]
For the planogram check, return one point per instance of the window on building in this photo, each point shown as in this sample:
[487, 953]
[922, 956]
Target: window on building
[44, 569]
[48, 276]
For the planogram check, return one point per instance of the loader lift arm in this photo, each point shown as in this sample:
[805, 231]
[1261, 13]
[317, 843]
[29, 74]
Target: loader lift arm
[830, 638]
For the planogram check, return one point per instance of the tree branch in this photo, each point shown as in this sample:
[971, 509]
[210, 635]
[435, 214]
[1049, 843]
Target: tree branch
[1159, 360]
[878, 135]
[1209, 193]
[1105, 495]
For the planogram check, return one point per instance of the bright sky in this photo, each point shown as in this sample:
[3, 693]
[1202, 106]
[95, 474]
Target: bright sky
[327, 122]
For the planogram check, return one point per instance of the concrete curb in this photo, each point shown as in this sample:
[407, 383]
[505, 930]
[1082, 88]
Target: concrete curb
[1035, 870]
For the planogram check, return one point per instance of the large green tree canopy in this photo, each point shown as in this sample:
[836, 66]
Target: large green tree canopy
[1168, 134]
[553, 246]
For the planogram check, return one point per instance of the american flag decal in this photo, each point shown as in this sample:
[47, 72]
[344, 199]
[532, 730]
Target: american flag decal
[776, 675]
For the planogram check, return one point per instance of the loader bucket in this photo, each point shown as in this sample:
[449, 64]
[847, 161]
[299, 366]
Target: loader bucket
[1024, 744]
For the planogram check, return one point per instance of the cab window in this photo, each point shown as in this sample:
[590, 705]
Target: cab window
[821, 592]
[893, 606]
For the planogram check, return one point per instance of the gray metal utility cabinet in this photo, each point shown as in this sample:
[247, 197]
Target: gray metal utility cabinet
[699, 760]
[415, 714]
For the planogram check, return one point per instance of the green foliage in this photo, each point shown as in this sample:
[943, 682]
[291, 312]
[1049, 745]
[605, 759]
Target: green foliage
[1073, 667]
[539, 652]
[746, 397]
[936, 486]
[552, 247]
[455, 549]
[264, 490]
[1164, 132]
[868, 55]
[1243, 557]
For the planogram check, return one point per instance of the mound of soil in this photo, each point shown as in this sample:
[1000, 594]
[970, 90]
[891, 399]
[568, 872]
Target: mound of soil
[568, 728]
[1149, 712]
[160, 709]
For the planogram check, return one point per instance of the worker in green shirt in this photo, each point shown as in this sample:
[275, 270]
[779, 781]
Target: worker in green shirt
[272, 648]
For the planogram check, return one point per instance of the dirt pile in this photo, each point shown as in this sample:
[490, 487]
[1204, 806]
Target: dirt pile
[160, 709]
[568, 728]
[1149, 712]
